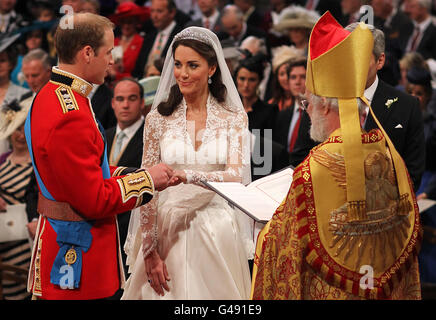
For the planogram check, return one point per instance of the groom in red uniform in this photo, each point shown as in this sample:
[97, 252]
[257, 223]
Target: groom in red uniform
[76, 251]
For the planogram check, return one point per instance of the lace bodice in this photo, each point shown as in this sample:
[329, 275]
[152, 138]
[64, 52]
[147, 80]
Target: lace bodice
[221, 155]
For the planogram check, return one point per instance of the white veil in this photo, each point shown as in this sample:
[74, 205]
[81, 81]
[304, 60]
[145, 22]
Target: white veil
[232, 102]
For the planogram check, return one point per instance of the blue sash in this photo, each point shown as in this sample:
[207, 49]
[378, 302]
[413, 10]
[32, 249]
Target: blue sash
[71, 235]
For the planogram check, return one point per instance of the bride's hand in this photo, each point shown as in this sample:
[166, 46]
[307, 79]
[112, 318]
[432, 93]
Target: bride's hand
[157, 273]
[179, 176]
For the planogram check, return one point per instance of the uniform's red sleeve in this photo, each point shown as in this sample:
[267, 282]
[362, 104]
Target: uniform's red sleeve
[75, 157]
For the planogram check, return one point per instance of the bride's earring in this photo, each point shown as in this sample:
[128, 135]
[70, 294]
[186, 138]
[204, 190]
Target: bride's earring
[210, 80]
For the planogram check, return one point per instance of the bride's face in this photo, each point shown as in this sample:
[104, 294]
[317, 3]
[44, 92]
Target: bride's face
[191, 71]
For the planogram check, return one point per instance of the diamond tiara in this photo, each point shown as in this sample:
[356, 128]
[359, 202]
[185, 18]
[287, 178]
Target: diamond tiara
[189, 34]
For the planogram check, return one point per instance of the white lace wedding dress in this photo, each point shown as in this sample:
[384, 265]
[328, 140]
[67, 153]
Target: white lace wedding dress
[204, 243]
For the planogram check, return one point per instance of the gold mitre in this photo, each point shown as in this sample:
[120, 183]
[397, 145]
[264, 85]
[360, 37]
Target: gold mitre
[337, 66]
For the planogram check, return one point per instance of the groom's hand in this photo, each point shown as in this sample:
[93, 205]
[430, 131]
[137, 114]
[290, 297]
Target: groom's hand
[161, 175]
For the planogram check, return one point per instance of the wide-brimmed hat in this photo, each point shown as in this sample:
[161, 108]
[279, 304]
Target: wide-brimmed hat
[296, 17]
[150, 85]
[13, 115]
[130, 9]
[284, 54]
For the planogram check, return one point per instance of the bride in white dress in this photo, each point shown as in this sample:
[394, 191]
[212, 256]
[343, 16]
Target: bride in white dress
[194, 244]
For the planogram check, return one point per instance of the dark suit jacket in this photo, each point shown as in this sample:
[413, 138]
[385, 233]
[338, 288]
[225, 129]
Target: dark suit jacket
[399, 30]
[408, 140]
[131, 157]
[268, 157]
[334, 6]
[217, 28]
[263, 116]
[281, 128]
[147, 45]
[102, 106]
[427, 45]
[132, 154]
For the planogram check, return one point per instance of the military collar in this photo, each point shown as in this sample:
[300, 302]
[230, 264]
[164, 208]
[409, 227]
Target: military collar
[76, 83]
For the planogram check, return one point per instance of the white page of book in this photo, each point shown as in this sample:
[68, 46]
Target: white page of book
[260, 198]
[425, 204]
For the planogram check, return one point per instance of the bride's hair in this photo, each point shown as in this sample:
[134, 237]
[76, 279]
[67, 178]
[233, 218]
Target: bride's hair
[216, 88]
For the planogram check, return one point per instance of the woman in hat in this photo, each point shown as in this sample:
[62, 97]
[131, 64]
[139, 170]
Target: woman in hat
[15, 174]
[297, 23]
[282, 95]
[128, 17]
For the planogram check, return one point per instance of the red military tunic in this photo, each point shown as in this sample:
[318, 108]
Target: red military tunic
[68, 149]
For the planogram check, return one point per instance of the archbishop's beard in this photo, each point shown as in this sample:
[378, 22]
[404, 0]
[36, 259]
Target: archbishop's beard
[318, 128]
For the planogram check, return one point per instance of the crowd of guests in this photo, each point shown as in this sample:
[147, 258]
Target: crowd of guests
[265, 46]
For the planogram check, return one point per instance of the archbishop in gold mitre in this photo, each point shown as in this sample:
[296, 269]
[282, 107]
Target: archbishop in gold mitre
[349, 227]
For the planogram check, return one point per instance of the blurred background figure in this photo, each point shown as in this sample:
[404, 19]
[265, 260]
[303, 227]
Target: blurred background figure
[154, 68]
[411, 59]
[297, 23]
[129, 18]
[282, 58]
[351, 11]
[231, 54]
[248, 76]
[15, 173]
[91, 6]
[254, 46]
[36, 69]
[210, 16]
[10, 20]
[8, 91]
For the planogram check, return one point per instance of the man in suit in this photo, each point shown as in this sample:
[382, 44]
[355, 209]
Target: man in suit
[210, 18]
[235, 28]
[124, 141]
[398, 113]
[422, 39]
[351, 11]
[157, 41]
[396, 26]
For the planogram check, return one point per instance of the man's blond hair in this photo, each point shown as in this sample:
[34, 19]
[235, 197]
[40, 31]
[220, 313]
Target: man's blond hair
[87, 29]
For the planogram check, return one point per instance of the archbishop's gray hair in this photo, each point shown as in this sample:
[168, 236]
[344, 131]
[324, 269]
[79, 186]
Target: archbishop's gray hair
[333, 103]
[378, 35]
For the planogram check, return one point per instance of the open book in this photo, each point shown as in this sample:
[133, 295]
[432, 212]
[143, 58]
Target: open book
[259, 199]
[13, 223]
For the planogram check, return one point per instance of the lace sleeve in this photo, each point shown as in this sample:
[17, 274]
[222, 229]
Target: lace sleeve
[150, 157]
[237, 158]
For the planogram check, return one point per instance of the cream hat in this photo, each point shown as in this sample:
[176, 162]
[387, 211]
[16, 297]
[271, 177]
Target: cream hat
[296, 17]
[284, 54]
[13, 115]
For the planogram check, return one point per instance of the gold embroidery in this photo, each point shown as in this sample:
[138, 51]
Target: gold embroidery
[381, 219]
[66, 98]
[135, 185]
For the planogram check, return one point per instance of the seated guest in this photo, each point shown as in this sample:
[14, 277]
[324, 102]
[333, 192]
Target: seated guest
[15, 174]
[235, 28]
[128, 17]
[296, 23]
[210, 16]
[282, 57]
[248, 76]
[158, 39]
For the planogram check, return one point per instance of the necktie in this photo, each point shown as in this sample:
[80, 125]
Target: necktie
[295, 131]
[120, 137]
[207, 23]
[309, 4]
[414, 43]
